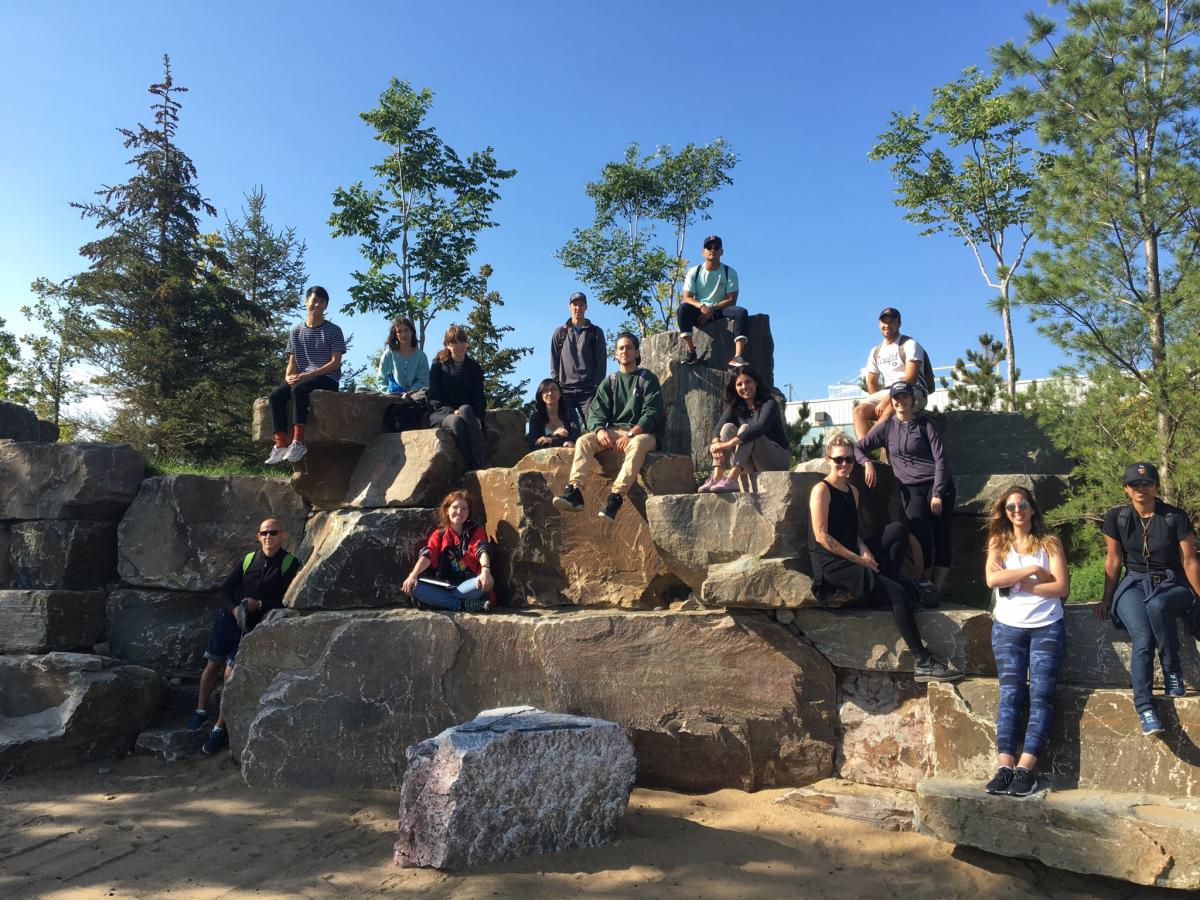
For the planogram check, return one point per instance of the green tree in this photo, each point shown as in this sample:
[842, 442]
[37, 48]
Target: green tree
[797, 433]
[264, 264]
[976, 382]
[48, 380]
[1114, 286]
[965, 167]
[178, 348]
[487, 345]
[10, 358]
[618, 256]
[419, 226]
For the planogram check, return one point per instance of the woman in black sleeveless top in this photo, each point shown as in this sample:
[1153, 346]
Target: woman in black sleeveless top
[842, 561]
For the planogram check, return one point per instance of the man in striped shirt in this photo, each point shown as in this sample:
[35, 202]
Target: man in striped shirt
[315, 350]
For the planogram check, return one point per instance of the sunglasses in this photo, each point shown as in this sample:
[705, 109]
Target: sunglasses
[1015, 507]
[1141, 485]
[841, 460]
[271, 532]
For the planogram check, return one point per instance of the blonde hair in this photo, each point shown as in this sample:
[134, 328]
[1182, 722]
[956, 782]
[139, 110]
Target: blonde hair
[836, 438]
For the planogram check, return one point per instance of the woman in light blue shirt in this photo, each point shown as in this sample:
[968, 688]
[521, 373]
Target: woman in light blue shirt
[403, 367]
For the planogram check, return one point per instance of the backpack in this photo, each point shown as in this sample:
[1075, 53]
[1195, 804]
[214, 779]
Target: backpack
[695, 273]
[926, 375]
[288, 562]
[639, 391]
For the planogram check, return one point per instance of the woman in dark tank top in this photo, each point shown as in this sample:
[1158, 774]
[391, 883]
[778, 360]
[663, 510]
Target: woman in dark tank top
[842, 561]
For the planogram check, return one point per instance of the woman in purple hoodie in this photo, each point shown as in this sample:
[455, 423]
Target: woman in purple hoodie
[914, 449]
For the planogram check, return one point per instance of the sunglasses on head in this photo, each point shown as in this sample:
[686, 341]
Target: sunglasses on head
[1141, 485]
[270, 531]
[1014, 507]
[841, 460]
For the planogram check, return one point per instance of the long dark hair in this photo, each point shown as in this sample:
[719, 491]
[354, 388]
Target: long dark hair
[1001, 535]
[540, 404]
[454, 334]
[731, 394]
[393, 342]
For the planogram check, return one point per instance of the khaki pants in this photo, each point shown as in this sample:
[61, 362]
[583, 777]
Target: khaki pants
[588, 446]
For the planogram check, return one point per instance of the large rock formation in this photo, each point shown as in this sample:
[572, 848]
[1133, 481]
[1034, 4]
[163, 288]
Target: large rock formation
[550, 558]
[412, 468]
[18, 423]
[42, 621]
[741, 549]
[67, 481]
[510, 783]
[186, 532]
[693, 396]
[60, 709]
[163, 630]
[710, 700]
[884, 737]
[63, 554]
[359, 558]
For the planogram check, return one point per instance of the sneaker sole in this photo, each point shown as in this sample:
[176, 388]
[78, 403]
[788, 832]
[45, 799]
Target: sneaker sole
[604, 515]
[1154, 732]
[925, 679]
[566, 505]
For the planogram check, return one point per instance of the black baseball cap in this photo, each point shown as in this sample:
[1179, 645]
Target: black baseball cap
[890, 311]
[1140, 471]
[578, 295]
[901, 387]
[712, 239]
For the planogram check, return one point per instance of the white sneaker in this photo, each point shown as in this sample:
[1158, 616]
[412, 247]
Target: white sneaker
[295, 452]
[278, 455]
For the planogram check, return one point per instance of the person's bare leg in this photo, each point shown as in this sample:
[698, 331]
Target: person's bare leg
[208, 682]
[221, 714]
[739, 346]
[864, 418]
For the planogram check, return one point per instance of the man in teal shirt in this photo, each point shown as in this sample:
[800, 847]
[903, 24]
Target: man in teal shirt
[623, 416]
[710, 292]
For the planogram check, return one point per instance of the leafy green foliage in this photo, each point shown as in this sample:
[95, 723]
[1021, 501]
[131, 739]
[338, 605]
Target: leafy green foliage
[10, 356]
[618, 256]
[965, 168]
[419, 225]
[487, 346]
[797, 432]
[976, 382]
[48, 381]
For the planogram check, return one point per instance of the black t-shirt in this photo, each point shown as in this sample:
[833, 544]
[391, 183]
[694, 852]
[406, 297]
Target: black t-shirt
[1163, 533]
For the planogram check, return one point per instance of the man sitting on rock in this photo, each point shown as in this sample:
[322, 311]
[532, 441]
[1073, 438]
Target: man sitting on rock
[898, 358]
[710, 292]
[314, 350]
[254, 587]
[624, 414]
[578, 358]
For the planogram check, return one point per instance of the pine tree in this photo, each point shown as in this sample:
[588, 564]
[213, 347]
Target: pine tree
[487, 345]
[47, 380]
[977, 382]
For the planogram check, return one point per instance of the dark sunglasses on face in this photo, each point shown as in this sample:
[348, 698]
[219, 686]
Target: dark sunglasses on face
[1014, 507]
[1141, 485]
[270, 531]
[841, 460]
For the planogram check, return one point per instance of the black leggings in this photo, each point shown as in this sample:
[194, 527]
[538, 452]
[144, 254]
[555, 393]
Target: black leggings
[466, 429]
[932, 532]
[298, 394]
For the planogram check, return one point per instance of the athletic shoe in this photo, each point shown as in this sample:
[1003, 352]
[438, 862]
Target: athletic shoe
[707, 486]
[295, 452]
[478, 605]
[218, 739]
[1173, 685]
[934, 670]
[570, 501]
[724, 485]
[278, 455]
[1001, 781]
[738, 362]
[689, 357]
[1151, 723]
[611, 507]
[196, 722]
[1024, 783]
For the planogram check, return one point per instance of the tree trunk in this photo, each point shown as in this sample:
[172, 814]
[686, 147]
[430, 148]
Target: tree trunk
[1010, 348]
[1158, 360]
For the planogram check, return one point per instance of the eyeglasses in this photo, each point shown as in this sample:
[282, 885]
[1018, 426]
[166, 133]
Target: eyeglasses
[272, 532]
[1141, 485]
[1015, 507]
[841, 460]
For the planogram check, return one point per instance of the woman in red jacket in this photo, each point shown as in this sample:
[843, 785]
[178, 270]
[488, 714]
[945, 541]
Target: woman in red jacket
[459, 555]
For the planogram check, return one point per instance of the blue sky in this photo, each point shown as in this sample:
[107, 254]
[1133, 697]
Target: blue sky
[800, 90]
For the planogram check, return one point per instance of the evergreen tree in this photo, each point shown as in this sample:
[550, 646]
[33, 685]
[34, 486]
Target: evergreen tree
[10, 357]
[977, 382]
[1113, 283]
[420, 225]
[797, 432]
[487, 346]
[47, 380]
[264, 264]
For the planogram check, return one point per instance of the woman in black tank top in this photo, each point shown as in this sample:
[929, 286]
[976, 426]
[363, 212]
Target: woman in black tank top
[843, 562]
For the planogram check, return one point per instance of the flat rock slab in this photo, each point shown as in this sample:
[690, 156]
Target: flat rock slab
[1134, 837]
[186, 532]
[171, 741]
[510, 783]
[710, 700]
[334, 417]
[1096, 740]
[867, 640]
[43, 621]
[68, 481]
[163, 630]
[359, 558]
[880, 807]
[63, 554]
[884, 737]
[61, 709]
[412, 468]
[552, 558]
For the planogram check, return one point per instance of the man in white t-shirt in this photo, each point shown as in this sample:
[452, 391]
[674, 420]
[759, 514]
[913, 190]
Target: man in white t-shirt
[898, 358]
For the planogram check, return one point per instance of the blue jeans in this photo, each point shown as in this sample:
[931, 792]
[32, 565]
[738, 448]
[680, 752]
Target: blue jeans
[1027, 662]
[1152, 623]
[447, 598]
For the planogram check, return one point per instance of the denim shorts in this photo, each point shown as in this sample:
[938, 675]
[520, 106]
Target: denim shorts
[224, 640]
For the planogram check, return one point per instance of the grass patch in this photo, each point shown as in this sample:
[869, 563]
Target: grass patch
[174, 466]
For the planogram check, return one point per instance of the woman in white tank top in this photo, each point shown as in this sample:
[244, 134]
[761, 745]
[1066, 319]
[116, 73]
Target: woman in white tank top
[1027, 570]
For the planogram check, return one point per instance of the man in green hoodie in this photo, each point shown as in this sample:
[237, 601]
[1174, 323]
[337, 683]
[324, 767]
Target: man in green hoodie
[623, 416]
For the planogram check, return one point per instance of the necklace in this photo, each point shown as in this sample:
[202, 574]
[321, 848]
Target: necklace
[1145, 521]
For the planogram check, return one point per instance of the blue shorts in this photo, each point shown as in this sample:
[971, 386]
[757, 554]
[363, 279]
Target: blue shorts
[224, 640]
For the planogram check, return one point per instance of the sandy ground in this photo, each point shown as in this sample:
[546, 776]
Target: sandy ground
[192, 829]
